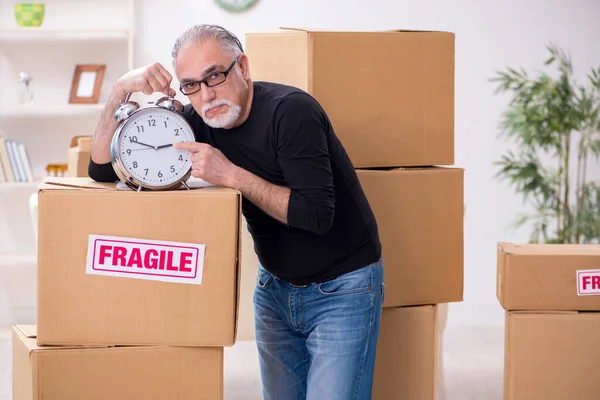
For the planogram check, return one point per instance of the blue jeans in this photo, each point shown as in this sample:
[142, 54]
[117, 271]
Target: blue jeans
[318, 342]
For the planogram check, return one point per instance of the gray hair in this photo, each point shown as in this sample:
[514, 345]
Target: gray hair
[199, 33]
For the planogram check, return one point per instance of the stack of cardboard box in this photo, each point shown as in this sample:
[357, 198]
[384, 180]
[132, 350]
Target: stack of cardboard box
[390, 98]
[551, 294]
[137, 293]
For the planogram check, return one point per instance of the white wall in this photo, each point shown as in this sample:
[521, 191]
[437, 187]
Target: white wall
[489, 35]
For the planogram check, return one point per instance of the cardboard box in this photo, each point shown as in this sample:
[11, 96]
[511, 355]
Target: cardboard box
[548, 276]
[115, 373]
[389, 94]
[552, 356]
[79, 156]
[419, 213]
[103, 279]
[406, 364]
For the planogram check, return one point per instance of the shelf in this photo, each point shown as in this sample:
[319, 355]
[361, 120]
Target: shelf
[50, 111]
[12, 185]
[36, 35]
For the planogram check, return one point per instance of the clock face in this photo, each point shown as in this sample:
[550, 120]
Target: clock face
[145, 146]
[235, 5]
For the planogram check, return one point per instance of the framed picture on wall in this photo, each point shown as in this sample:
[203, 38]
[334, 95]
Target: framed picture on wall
[87, 81]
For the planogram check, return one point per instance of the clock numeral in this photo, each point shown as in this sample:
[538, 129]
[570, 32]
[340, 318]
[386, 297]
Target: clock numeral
[133, 139]
[146, 169]
[176, 132]
[140, 128]
[135, 164]
[165, 124]
[172, 168]
[128, 152]
[159, 174]
[151, 122]
[180, 157]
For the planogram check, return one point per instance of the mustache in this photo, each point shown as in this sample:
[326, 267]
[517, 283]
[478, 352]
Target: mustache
[216, 103]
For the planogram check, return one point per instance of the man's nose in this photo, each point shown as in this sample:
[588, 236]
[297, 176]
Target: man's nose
[207, 93]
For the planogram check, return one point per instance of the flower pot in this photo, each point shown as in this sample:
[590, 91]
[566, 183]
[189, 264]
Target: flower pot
[29, 14]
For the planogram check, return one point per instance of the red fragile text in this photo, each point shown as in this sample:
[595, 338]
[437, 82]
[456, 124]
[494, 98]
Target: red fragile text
[149, 258]
[590, 282]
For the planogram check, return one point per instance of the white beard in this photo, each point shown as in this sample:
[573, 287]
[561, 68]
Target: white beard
[221, 120]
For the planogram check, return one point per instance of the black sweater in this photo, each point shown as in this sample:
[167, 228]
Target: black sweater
[288, 140]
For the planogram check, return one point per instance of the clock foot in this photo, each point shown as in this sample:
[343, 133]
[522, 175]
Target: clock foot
[185, 185]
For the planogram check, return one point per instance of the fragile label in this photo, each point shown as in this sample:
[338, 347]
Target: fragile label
[588, 282]
[154, 260]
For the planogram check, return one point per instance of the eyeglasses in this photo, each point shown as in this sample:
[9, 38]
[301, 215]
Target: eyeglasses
[214, 79]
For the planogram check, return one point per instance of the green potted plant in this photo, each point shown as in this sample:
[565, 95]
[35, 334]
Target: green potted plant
[555, 123]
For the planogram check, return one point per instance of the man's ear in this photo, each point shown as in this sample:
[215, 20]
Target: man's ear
[244, 66]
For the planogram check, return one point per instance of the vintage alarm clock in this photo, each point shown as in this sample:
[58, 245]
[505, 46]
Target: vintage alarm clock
[141, 150]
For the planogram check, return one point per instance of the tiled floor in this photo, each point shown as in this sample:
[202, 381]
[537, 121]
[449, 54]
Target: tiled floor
[473, 359]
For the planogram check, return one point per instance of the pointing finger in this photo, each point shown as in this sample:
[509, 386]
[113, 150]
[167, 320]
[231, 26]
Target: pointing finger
[193, 147]
[190, 146]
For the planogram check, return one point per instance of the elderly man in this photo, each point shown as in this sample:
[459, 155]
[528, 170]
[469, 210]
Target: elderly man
[319, 287]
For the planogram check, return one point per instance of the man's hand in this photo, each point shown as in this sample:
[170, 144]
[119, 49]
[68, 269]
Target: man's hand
[148, 79]
[209, 164]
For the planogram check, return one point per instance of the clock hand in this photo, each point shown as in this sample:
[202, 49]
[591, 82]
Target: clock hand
[144, 144]
[163, 146]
